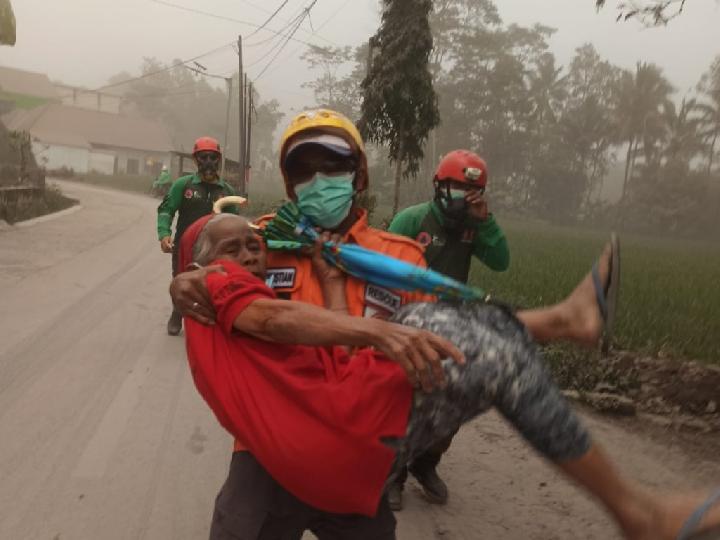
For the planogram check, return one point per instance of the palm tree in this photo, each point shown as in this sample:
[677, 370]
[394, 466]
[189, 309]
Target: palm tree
[710, 109]
[547, 89]
[682, 135]
[638, 110]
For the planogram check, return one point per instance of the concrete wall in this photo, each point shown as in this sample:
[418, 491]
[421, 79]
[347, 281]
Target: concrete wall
[102, 162]
[142, 162]
[52, 156]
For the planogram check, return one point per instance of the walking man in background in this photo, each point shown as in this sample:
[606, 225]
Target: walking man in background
[453, 228]
[190, 197]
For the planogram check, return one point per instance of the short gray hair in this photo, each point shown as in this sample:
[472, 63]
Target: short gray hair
[203, 248]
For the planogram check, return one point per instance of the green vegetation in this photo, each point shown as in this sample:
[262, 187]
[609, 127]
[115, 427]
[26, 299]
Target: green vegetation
[52, 200]
[670, 295]
[22, 101]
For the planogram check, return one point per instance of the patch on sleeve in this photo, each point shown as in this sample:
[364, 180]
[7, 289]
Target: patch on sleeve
[188, 193]
[380, 302]
[281, 278]
[424, 239]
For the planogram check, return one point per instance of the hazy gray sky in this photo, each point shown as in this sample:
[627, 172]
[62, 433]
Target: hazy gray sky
[84, 42]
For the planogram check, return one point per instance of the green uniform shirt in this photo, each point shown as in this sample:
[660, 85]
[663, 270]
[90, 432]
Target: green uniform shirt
[450, 252]
[192, 199]
[162, 179]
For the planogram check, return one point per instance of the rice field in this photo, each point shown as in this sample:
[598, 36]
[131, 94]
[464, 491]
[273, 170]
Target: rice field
[670, 293]
[670, 289]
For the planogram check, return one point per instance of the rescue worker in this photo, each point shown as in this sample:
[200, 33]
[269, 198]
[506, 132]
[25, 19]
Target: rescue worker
[190, 197]
[323, 163]
[453, 228]
[162, 183]
[323, 153]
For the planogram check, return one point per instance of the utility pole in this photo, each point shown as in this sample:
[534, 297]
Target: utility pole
[228, 82]
[241, 131]
[227, 125]
[249, 130]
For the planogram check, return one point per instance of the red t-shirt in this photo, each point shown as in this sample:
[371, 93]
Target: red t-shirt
[312, 416]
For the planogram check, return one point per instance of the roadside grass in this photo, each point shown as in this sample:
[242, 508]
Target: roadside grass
[670, 289]
[51, 201]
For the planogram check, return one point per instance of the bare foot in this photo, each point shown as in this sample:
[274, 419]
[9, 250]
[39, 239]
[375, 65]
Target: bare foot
[663, 518]
[581, 310]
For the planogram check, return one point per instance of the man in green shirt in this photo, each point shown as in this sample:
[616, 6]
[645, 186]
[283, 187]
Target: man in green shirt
[162, 183]
[454, 227]
[190, 197]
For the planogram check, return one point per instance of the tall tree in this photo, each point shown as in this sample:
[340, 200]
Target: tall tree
[682, 141]
[328, 60]
[640, 98]
[709, 88]
[452, 19]
[547, 90]
[339, 84]
[587, 122]
[399, 103]
[486, 106]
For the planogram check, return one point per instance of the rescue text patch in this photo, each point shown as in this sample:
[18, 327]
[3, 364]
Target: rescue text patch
[381, 297]
[280, 278]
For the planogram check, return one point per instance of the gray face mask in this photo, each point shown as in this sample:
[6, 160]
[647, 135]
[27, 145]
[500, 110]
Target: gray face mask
[208, 165]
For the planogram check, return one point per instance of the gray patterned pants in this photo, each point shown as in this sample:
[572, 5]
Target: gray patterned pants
[503, 369]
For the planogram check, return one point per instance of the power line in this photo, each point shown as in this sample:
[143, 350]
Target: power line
[313, 33]
[297, 21]
[277, 34]
[324, 23]
[295, 29]
[162, 70]
[334, 14]
[280, 33]
[206, 74]
[270, 18]
[239, 21]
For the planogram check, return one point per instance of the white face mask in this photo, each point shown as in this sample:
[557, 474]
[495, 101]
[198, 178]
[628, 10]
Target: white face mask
[457, 193]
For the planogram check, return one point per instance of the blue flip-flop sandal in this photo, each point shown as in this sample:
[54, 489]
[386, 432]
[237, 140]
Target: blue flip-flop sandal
[607, 293]
[693, 522]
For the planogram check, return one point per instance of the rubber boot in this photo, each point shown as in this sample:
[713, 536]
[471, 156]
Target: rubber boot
[174, 324]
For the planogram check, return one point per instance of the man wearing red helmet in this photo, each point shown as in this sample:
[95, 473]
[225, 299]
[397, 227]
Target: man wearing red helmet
[191, 197]
[453, 227]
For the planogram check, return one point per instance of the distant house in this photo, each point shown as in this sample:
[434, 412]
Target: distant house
[89, 140]
[24, 89]
[89, 99]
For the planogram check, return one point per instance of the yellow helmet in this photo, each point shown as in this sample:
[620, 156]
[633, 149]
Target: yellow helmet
[326, 121]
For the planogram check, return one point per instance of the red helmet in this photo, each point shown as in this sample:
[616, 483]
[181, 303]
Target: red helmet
[206, 144]
[462, 166]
